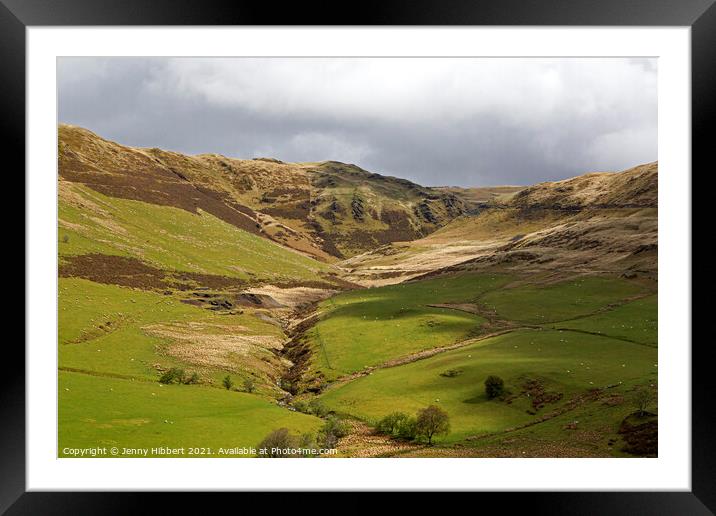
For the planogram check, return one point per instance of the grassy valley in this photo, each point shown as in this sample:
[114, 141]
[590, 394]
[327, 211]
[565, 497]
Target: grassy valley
[549, 369]
[208, 302]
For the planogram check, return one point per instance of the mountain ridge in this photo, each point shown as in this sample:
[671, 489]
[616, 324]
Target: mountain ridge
[328, 210]
[599, 222]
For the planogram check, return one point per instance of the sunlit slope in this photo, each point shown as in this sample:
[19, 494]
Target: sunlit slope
[606, 222]
[109, 412]
[366, 328]
[636, 322]
[326, 210]
[567, 364]
[566, 300]
[173, 239]
[116, 342]
[129, 333]
[598, 346]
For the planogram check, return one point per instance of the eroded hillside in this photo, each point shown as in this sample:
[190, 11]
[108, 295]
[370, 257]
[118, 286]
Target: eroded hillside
[605, 222]
[326, 210]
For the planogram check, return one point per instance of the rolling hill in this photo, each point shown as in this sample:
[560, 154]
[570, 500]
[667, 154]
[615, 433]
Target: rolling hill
[243, 282]
[326, 210]
[605, 222]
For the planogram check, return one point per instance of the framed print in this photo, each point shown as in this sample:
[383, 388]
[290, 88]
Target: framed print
[424, 249]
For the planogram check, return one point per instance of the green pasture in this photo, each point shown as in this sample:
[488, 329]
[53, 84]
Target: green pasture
[174, 239]
[101, 328]
[559, 301]
[99, 411]
[368, 327]
[566, 362]
[636, 321]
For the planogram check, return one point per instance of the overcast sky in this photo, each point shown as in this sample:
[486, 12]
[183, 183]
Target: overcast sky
[468, 122]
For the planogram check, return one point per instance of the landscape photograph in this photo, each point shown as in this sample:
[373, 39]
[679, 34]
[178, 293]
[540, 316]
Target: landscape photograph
[357, 257]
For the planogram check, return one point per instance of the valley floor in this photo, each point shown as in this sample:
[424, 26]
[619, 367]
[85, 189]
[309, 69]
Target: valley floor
[572, 354]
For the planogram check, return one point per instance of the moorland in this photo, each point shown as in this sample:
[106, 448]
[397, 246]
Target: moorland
[214, 303]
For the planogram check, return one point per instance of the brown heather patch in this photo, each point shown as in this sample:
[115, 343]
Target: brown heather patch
[640, 434]
[165, 191]
[298, 211]
[115, 270]
[131, 272]
[151, 176]
[70, 225]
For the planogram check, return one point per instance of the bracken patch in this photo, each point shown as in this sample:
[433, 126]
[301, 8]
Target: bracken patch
[131, 272]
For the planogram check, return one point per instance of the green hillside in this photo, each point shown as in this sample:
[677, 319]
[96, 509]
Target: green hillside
[173, 239]
[391, 322]
[206, 302]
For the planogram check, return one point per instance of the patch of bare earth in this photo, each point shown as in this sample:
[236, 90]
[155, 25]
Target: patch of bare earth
[293, 297]
[363, 442]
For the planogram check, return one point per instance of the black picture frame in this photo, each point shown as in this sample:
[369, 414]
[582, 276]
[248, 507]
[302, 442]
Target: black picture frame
[17, 15]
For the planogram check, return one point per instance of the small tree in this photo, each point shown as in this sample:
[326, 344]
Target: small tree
[390, 423]
[228, 382]
[494, 386]
[432, 421]
[249, 385]
[65, 239]
[642, 399]
[274, 444]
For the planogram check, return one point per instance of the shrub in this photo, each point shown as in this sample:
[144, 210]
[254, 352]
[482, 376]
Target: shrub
[332, 430]
[494, 386]
[301, 406]
[194, 378]
[317, 408]
[65, 239]
[249, 385]
[308, 441]
[389, 424]
[275, 442]
[432, 421]
[288, 386]
[407, 429]
[327, 441]
[173, 375]
[228, 382]
[338, 427]
[643, 397]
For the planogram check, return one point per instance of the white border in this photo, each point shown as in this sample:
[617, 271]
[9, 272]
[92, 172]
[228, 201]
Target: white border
[670, 471]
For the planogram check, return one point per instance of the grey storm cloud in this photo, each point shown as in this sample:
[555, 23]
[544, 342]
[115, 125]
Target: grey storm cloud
[439, 121]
